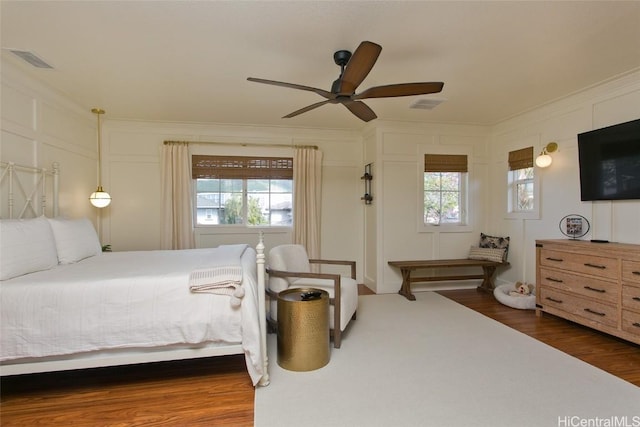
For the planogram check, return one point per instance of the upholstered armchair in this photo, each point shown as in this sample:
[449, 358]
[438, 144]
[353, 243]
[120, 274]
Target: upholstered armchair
[289, 267]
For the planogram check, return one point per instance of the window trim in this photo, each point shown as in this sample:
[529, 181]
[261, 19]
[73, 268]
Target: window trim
[464, 189]
[462, 192]
[245, 206]
[510, 212]
[242, 168]
[513, 184]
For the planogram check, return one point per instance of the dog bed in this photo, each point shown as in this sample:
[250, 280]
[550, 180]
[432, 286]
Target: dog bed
[524, 302]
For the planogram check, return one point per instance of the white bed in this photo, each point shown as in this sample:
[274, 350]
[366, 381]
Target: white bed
[85, 308]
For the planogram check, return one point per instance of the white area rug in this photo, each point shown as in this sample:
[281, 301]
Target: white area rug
[433, 362]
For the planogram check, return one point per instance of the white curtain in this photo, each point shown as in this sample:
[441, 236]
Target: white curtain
[177, 216]
[307, 192]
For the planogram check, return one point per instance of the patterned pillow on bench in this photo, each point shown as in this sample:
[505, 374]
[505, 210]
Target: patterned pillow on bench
[494, 242]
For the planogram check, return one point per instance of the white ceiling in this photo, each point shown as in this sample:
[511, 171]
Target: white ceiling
[188, 61]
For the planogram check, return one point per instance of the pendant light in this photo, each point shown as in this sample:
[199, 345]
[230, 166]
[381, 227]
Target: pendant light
[99, 198]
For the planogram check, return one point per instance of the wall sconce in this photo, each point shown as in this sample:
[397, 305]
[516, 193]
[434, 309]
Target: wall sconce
[367, 177]
[99, 198]
[544, 159]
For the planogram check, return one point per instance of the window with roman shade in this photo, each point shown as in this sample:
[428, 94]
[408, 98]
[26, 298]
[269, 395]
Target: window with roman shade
[243, 190]
[521, 180]
[445, 178]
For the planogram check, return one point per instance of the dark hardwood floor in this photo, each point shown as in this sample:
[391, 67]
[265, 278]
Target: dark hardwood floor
[206, 392]
[218, 391]
[616, 356]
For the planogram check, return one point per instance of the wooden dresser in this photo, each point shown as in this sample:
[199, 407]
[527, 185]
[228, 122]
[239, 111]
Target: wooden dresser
[594, 284]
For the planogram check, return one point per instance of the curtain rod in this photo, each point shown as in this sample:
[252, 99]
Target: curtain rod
[243, 144]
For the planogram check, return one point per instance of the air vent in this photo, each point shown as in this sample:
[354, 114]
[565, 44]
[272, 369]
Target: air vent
[426, 103]
[31, 58]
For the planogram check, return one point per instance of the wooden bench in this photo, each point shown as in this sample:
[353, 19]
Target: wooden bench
[408, 267]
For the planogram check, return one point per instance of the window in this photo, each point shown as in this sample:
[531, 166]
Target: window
[235, 190]
[445, 182]
[521, 181]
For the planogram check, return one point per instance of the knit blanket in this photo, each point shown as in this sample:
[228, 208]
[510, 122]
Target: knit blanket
[220, 280]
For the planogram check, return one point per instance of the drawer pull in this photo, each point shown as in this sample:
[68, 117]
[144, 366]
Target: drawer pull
[637, 273]
[588, 310]
[551, 279]
[589, 288]
[636, 324]
[636, 298]
[554, 300]
[601, 267]
[555, 259]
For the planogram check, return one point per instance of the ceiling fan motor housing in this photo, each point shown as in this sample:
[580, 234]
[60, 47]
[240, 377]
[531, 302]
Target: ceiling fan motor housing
[341, 58]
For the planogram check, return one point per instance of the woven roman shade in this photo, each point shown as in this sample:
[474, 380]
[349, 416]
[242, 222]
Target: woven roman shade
[521, 159]
[241, 167]
[445, 163]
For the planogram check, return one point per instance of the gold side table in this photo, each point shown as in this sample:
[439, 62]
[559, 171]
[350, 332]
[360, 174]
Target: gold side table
[303, 329]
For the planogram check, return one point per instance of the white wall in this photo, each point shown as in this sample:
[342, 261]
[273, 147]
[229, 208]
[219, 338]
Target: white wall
[370, 226]
[619, 221]
[132, 175]
[399, 167]
[39, 127]
[398, 151]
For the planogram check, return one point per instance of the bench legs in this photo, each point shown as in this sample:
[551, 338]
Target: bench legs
[405, 289]
[487, 281]
[487, 285]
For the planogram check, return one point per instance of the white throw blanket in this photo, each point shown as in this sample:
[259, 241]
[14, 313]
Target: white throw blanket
[225, 280]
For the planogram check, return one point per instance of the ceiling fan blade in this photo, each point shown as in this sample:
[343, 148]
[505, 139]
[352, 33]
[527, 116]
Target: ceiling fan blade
[401, 89]
[359, 65]
[305, 109]
[321, 92]
[361, 110]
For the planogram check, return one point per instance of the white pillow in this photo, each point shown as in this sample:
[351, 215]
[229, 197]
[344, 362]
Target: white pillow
[76, 239]
[488, 254]
[26, 246]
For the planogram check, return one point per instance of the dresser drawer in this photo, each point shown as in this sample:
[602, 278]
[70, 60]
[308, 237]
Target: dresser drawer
[631, 297]
[630, 271]
[595, 311]
[579, 263]
[631, 322]
[587, 286]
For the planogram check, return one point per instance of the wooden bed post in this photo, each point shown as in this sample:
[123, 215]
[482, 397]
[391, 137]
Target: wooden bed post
[260, 260]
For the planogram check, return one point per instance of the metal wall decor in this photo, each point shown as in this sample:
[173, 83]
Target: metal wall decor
[367, 177]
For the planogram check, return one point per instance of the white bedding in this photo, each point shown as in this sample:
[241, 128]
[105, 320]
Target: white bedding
[129, 300]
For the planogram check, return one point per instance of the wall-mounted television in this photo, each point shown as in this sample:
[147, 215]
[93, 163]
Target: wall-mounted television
[610, 162]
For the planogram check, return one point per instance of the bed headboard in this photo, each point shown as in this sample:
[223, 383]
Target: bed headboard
[27, 191]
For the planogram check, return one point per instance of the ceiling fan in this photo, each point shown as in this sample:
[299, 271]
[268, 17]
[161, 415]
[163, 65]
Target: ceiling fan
[353, 70]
